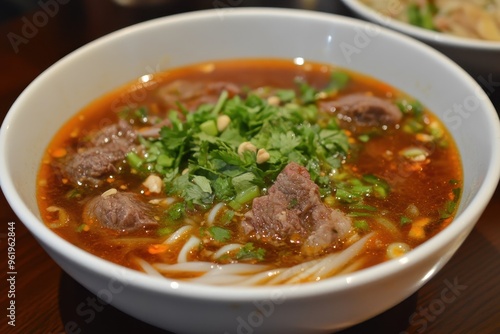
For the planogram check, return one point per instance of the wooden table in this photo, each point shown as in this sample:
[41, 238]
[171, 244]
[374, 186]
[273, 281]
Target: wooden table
[47, 299]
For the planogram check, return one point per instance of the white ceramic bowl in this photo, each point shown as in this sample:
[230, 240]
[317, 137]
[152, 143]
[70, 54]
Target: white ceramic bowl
[478, 57]
[318, 307]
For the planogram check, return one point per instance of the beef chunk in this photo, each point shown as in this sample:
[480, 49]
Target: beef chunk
[193, 94]
[293, 212]
[98, 155]
[119, 211]
[364, 110]
[119, 134]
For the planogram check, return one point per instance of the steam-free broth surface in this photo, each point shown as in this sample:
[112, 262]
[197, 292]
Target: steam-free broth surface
[276, 172]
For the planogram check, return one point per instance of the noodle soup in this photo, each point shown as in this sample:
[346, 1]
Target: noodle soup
[251, 172]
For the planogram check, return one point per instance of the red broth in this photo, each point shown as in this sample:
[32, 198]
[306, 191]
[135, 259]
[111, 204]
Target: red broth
[398, 182]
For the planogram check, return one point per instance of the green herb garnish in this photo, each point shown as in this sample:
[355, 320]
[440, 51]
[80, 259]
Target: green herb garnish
[211, 161]
[250, 252]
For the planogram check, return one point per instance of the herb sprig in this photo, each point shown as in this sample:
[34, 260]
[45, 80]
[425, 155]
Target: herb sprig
[202, 163]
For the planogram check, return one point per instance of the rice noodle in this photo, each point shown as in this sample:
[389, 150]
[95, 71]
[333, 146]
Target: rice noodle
[261, 278]
[219, 280]
[321, 268]
[188, 246]
[195, 266]
[333, 263]
[256, 274]
[237, 268]
[226, 249]
[222, 277]
[148, 269]
[352, 267]
[178, 234]
[214, 212]
[287, 273]
[314, 271]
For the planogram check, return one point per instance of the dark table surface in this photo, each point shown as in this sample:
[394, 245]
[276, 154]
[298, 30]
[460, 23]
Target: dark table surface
[47, 298]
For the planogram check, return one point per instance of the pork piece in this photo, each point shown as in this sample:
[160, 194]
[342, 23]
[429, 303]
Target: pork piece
[97, 156]
[364, 110]
[119, 211]
[293, 212]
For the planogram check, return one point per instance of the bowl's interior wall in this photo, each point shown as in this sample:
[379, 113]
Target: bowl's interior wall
[84, 76]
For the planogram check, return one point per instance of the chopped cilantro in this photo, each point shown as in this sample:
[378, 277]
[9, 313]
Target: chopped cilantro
[448, 210]
[176, 211]
[361, 225]
[451, 205]
[213, 170]
[307, 92]
[219, 234]
[134, 115]
[248, 251]
[167, 230]
[404, 220]
[285, 95]
[364, 138]
[227, 217]
[338, 81]
[74, 193]
[203, 183]
[82, 227]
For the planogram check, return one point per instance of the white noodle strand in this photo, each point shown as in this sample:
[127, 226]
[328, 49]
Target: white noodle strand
[190, 267]
[255, 274]
[288, 273]
[188, 246]
[148, 269]
[219, 280]
[237, 274]
[215, 210]
[331, 264]
[352, 267]
[321, 268]
[237, 268]
[314, 269]
[261, 278]
[178, 234]
[226, 249]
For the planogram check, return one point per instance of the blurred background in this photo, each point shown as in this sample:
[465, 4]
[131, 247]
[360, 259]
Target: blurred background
[155, 8]
[13, 8]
